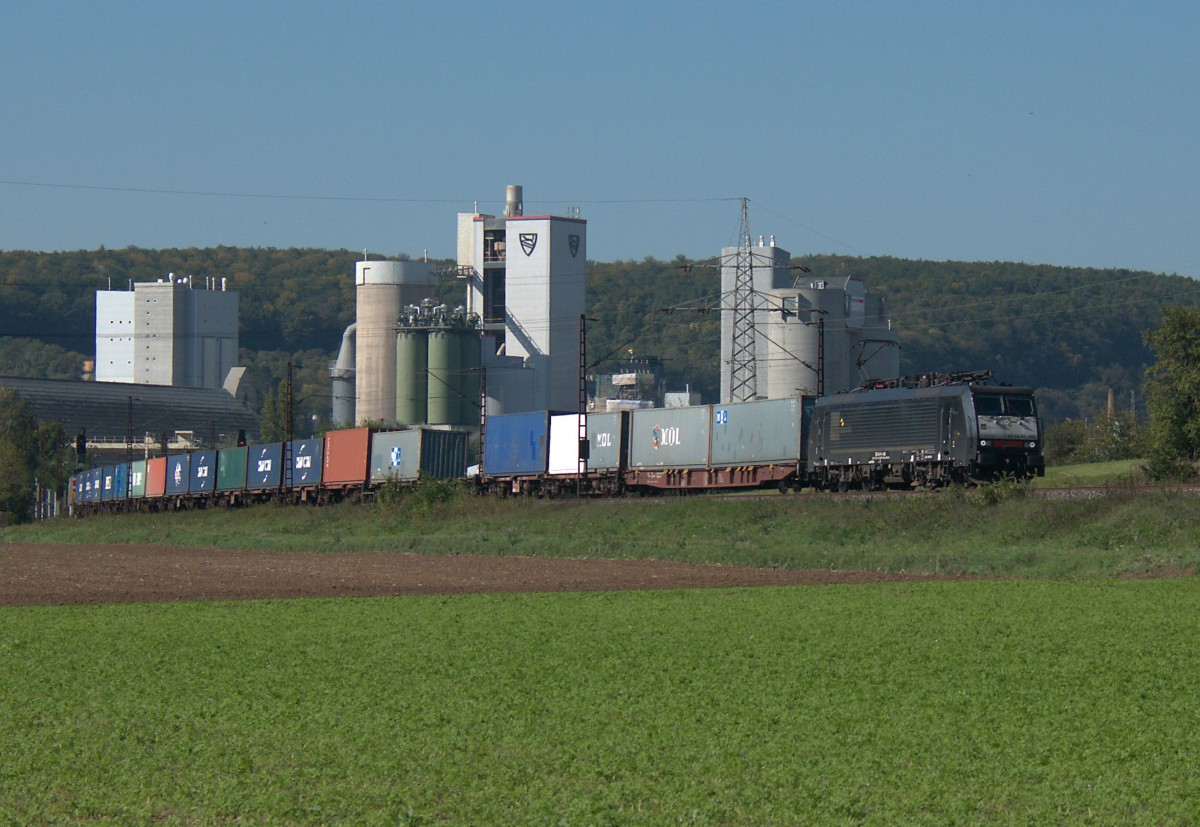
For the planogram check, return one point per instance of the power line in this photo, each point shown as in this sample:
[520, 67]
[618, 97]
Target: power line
[344, 198]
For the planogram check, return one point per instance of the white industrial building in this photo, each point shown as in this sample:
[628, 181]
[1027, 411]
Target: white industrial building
[167, 332]
[526, 283]
[811, 336]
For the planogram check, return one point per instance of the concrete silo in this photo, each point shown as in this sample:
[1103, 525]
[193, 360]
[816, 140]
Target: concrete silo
[841, 330]
[383, 288]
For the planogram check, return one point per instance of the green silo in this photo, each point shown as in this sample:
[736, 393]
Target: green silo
[471, 345]
[412, 383]
[445, 371]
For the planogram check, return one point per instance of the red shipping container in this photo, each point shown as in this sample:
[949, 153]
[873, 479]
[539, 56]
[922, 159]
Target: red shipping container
[347, 456]
[156, 477]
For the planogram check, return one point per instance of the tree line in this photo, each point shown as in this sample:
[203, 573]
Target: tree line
[1072, 333]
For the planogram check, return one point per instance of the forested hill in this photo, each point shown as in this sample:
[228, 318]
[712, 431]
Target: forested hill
[1070, 332]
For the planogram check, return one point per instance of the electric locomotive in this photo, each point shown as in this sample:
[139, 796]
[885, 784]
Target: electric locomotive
[932, 435]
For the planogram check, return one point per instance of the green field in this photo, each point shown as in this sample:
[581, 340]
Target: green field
[1117, 472]
[1065, 696]
[995, 702]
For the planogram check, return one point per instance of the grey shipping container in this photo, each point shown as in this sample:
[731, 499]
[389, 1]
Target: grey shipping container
[407, 456]
[606, 434]
[759, 433]
[517, 445]
[669, 438]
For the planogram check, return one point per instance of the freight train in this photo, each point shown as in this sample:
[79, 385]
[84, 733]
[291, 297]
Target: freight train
[924, 432]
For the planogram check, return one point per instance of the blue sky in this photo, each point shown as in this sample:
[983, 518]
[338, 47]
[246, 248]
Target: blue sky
[1061, 133]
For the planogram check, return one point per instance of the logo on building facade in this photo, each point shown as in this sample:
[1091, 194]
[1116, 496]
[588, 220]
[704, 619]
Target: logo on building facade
[528, 242]
[573, 240]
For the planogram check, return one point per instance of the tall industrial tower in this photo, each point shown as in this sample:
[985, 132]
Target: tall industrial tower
[527, 284]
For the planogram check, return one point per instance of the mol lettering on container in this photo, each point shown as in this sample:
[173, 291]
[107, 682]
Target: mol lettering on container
[264, 466]
[662, 437]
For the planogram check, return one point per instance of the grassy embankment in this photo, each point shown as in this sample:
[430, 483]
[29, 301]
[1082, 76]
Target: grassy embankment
[1117, 472]
[996, 530]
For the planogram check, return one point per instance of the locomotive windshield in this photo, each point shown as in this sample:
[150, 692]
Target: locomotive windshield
[1006, 416]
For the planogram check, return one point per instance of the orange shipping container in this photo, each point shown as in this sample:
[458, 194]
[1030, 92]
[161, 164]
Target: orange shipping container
[156, 477]
[346, 457]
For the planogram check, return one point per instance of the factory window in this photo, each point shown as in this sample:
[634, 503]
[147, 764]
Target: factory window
[493, 245]
[493, 295]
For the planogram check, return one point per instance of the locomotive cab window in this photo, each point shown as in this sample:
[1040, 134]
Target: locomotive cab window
[1019, 406]
[988, 405]
[1004, 405]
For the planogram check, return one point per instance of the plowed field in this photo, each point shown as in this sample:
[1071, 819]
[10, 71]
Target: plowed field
[69, 574]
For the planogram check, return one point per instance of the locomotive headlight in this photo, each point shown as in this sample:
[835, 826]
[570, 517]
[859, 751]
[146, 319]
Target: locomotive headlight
[983, 443]
[1030, 444]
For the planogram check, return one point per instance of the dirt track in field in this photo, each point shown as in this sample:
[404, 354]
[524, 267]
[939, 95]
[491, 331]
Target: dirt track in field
[65, 574]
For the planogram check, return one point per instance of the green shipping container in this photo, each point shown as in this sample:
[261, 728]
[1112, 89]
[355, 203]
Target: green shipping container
[137, 479]
[231, 469]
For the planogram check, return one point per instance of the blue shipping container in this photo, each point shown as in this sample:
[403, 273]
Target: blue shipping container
[94, 483]
[517, 444]
[306, 463]
[121, 482]
[204, 472]
[108, 482]
[262, 466]
[178, 472]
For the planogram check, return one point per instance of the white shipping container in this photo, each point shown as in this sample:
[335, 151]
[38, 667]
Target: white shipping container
[564, 444]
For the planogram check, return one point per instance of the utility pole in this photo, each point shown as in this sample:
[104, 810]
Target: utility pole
[129, 451]
[285, 476]
[584, 444]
